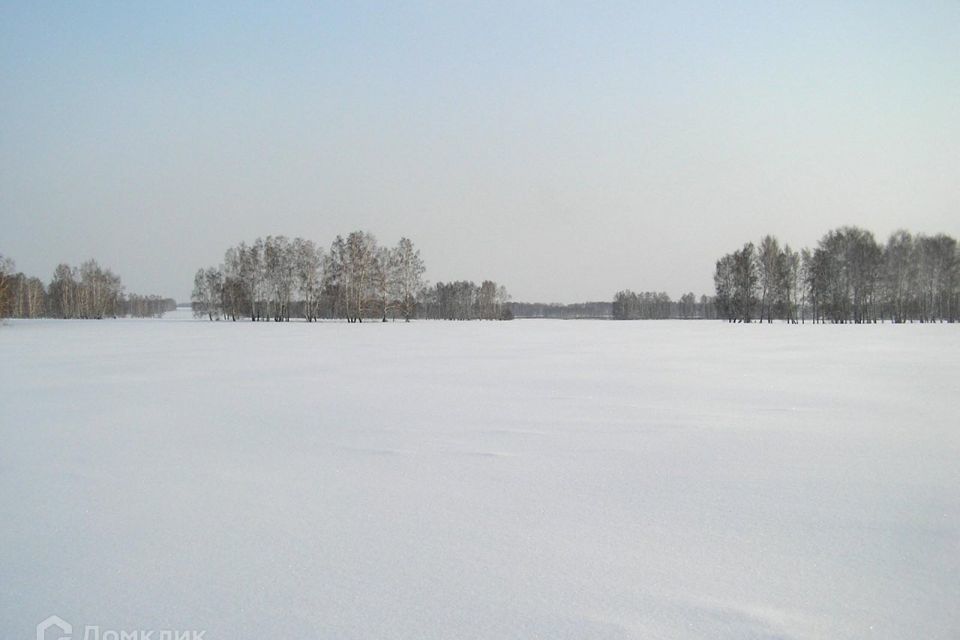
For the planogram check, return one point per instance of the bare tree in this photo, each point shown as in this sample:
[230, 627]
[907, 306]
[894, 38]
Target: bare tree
[503, 312]
[7, 268]
[768, 259]
[335, 277]
[384, 280]
[207, 291]
[308, 268]
[409, 277]
[487, 300]
[745, 283]
[358, 272]
[279, 273]
[723, 283]
[234, 294]
[789, 283]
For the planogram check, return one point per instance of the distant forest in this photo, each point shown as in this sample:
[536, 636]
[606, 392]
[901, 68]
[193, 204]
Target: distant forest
[356, 279]
[557, 311]
[626, 305]
[89, 291]
[848, 278]
[275, 278]
[652, 305]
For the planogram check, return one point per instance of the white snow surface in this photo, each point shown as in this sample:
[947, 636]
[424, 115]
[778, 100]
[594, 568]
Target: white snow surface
[526, 479]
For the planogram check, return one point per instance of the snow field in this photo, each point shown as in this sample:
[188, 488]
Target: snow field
[528, 479]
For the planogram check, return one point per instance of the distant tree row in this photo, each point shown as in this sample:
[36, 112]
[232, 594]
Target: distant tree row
[557, 311]
[848, 277]
[275, 278]
[89, 291]
[650, 305]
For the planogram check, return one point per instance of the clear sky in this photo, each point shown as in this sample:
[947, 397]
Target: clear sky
[566, 149]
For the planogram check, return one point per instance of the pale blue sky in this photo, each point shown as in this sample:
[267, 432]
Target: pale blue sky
[567, 150]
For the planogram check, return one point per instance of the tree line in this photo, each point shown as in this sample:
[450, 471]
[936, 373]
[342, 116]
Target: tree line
[599, 310]
[652, 305]
[276, 278]
[847, 278]
[89, 291]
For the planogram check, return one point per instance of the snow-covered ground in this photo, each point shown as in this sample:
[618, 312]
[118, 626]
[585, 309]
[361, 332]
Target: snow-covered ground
[530, 479]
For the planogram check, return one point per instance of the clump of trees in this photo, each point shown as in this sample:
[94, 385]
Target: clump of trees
[275, 278]
[651, 305]
[464, 300]
[848, 278]
[89, 291]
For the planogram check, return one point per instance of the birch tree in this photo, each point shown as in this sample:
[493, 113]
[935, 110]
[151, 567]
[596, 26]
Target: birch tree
[768, 255]
[358, 271]
[409, 277]
[7, 268]
[308, 268]
[207, 289]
